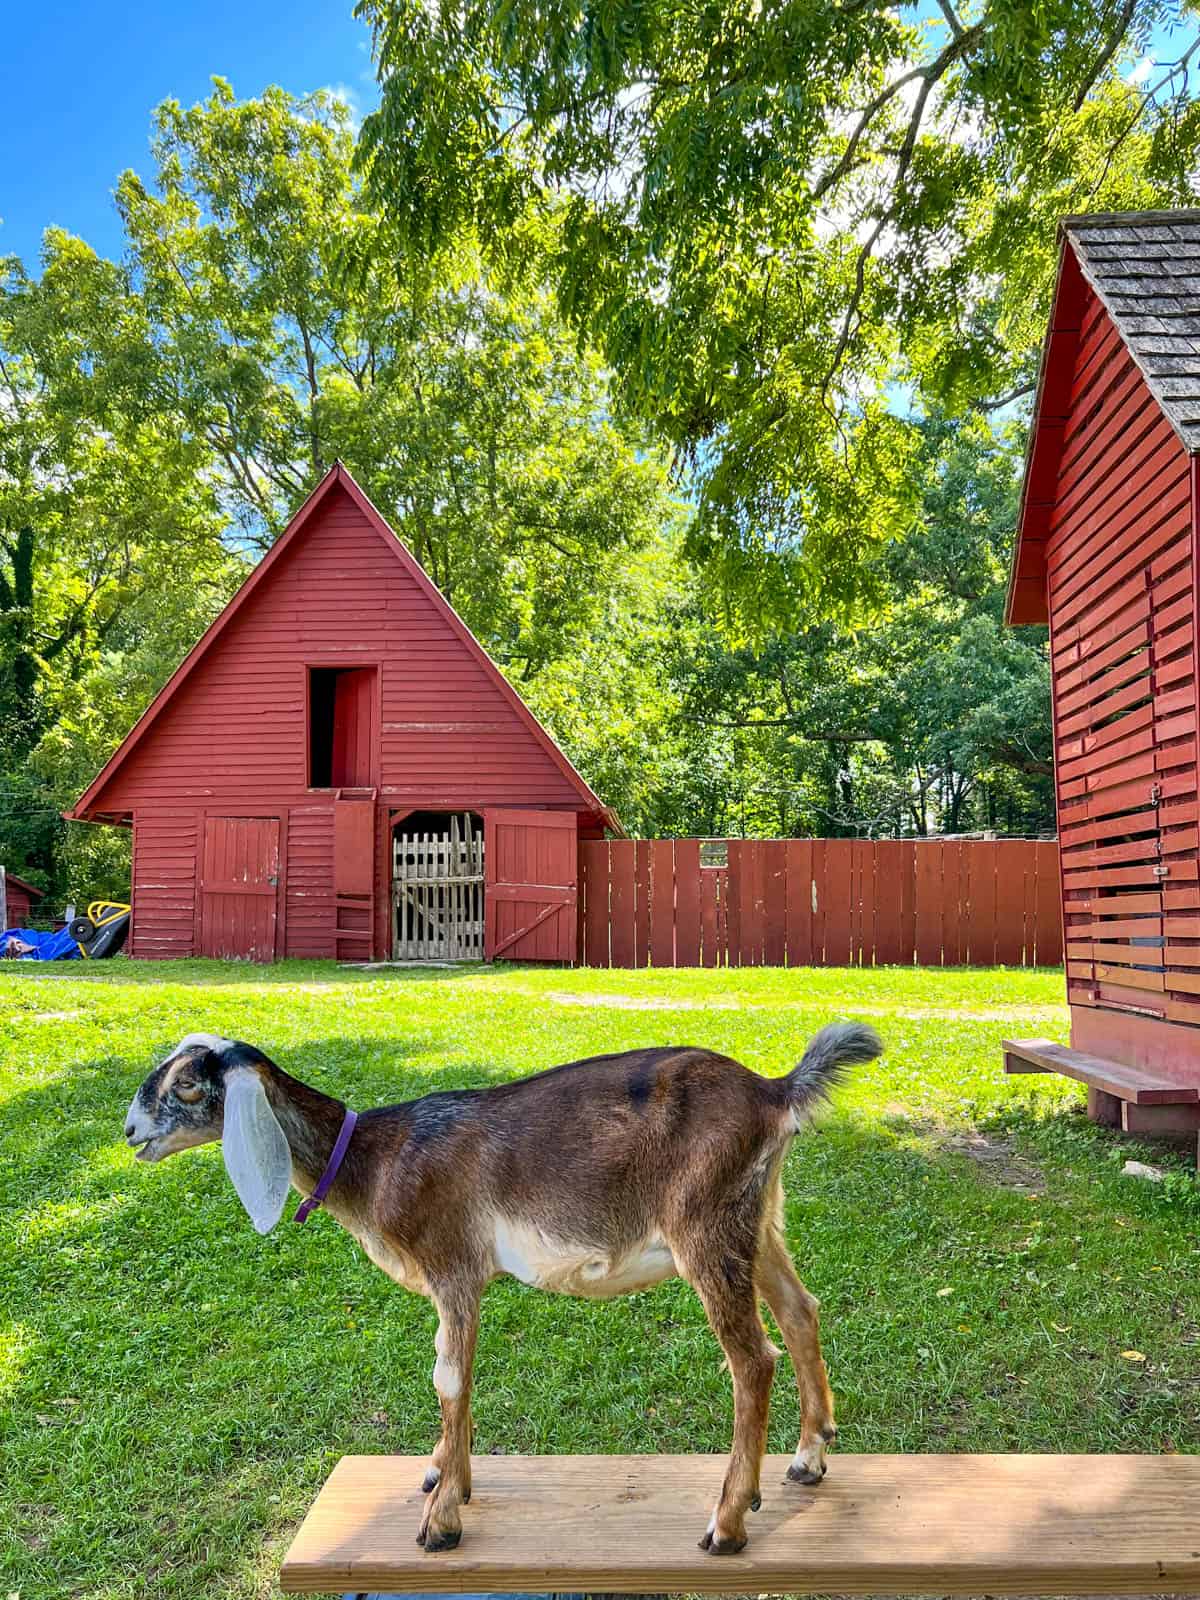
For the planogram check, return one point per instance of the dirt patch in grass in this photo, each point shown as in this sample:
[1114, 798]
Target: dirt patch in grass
[994, 1156]
[997, 1160]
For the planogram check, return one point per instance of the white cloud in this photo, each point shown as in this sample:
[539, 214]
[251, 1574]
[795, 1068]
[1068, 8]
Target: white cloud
[349, 98]
[1138, 74]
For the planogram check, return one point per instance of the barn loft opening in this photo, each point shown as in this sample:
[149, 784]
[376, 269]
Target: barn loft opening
[341, 727]
[437, 887]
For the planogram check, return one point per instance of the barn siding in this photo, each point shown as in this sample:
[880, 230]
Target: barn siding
[1121, 596]
[164, 884]
[309, 886]
[236, 730]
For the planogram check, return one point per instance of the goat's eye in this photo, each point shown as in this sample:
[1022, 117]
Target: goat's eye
[188, 1092]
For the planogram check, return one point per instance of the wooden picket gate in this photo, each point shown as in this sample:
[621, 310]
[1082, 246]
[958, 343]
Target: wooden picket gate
[437, 894]
[820, 902]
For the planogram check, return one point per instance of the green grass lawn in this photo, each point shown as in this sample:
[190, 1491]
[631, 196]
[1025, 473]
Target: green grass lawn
[173, 1389]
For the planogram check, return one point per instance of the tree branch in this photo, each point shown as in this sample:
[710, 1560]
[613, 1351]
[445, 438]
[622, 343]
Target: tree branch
[1017, 393]
[964, 41]
[1105, 55]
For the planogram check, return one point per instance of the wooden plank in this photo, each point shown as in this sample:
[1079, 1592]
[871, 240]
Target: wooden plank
[839, 891]
[734, 874]
[774, 869]
[798, 857]
[1119, 928]
[929, 904]
[710, 910]
[593, 864]
[662, 903]
[954, 894]
[865, 902]
[892, 856]
[945, 1525]
[722, 878]
[908, 902]
[818, 886]
[1115, 1078]
[1159, 1121]
[1130, 977]
[687, 902]
[750, 893]
[641, 914]
[983, 900]
[1144, 849]
[622, 892]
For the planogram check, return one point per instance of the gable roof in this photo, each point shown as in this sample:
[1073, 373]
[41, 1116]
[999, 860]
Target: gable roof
[1144, 267]
[86, 808]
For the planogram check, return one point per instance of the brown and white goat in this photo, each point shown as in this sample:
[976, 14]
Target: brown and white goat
[596, 1178]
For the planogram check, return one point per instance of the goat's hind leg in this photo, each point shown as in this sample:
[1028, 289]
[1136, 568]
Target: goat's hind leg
[795, 1310]
[448, 1482]
[726, 1288]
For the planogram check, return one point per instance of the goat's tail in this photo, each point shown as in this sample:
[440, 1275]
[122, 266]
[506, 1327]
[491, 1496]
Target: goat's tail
[825, 1063]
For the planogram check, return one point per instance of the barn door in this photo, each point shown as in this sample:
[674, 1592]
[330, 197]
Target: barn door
[353, 879]
[532, 864]
[239, 875]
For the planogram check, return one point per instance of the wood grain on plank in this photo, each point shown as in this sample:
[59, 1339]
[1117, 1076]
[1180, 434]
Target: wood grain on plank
[893, 1524]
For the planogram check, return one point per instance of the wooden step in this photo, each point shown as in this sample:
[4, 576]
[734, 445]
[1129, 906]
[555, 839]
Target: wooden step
[942, 1525]
[1132, 1084]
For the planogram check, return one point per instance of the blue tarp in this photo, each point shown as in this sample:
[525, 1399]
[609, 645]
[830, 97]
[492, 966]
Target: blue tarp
[45, 946]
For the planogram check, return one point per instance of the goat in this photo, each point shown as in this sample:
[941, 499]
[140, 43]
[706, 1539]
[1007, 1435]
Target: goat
[597, 1178]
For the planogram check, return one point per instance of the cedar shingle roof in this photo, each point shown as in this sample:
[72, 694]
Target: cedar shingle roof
[1145, 266]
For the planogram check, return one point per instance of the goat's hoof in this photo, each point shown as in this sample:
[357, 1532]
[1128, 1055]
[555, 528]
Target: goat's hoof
[722, 1547]
[804, 1474]
[431, 1480]
[434, 1539]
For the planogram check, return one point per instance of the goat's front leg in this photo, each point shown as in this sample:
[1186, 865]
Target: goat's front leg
[795, 1310]
[726, 1288]
[449, 1479]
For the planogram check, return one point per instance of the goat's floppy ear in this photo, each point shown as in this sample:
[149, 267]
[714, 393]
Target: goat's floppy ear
[256, 1152]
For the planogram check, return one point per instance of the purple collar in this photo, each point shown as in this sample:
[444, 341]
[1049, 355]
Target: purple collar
[307, 1207]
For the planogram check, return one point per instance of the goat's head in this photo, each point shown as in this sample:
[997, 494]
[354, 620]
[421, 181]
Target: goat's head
[211, 1088]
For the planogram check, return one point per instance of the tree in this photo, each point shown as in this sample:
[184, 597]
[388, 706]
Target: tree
[160, 420]
[934, 718]
[478, 426]
[766, 215]
[102, 502]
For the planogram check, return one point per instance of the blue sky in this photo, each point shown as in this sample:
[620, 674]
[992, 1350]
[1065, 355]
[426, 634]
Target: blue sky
[80, 81]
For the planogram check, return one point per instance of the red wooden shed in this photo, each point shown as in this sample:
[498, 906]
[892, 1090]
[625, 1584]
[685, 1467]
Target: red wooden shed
[20, 897]
[338, 769]
[1106, 555]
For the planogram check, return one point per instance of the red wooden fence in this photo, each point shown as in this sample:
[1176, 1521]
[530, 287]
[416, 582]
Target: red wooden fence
[820, 902]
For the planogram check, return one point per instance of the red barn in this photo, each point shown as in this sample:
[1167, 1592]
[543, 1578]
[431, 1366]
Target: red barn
[338, 769]
[20, 898]
[1106, 555]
